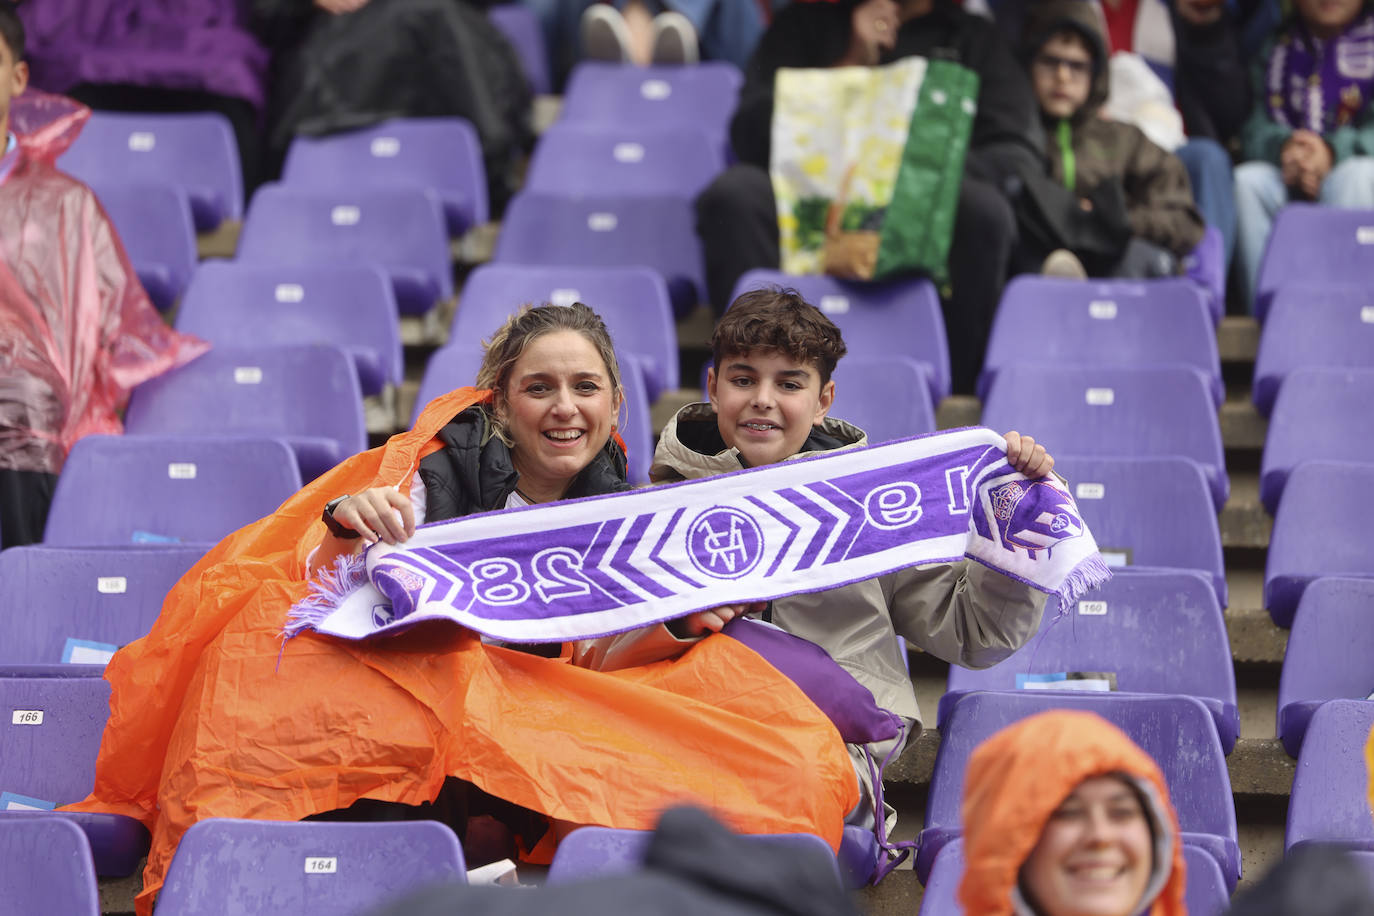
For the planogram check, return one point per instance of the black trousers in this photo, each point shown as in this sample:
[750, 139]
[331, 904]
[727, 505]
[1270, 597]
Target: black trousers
[25, 497]
[738, 224]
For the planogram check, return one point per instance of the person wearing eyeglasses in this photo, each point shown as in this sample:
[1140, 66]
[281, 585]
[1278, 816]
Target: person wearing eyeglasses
[1111, 203]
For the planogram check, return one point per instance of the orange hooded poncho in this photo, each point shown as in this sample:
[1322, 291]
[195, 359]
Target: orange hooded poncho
[1019, 776]
[211, 716]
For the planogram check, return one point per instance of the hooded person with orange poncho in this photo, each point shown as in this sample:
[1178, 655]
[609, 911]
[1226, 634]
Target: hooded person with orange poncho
[212, 716]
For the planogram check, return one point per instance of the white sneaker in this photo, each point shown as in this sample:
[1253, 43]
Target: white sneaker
[675, 40]
[605, 35]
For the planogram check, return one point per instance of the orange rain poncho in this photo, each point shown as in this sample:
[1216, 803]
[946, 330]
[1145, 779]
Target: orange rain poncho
[1019, 776]
[212, 717]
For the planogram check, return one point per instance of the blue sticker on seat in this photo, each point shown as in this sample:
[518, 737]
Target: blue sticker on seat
[13, 801]
[148, 537]
[87, 652]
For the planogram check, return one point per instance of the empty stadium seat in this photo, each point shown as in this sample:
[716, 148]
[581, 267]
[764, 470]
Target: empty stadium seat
[1330, 800]
[1320, 413]
[59, 605]
[885, 396]
[520, 25]
[1321, 529]
[440, 155]
[607, 93]
[1205, 894]
[121, 490]
[305, 394]
[233, 867]
[1330, 653]
[351, 306]
[154, 224]
[1113, 411]
[633, 301]
[196, 152]
[46, 867]
[1058, 322]
[573, 158]
[608, 230]
[1128, 627]
[1326, 326]
[1205, 266]
[1311, 240]
[1176, 731]
[893, 318]
[401, 230]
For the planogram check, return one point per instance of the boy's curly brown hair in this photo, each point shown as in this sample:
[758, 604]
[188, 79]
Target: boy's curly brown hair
[778, 320]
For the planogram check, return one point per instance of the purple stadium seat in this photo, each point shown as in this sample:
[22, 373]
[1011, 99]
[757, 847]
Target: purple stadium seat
[608, 230]
[1103, 323]
[633, 301]
[51, 735]
[1319, 414]
[349, 305]
[1321, 529]
[617, 94]
[594, 852]
[304, 394]
[120, 490]
[1113, 411]
[46, 867]
[573, 158]
[399, 229]
[1148, 512]
[196, 152]
[1330, 326]
[233, 867]
[1206, 893]
[891, 318]
[54, 596]
[456, 365]
[1176, 731]
[1130, 627]
[1330, 653]
[154, 223]
[1205, 266]
[1310, 240]
[885, 396]
[440, 155]
[1330, 800]
[520, 25]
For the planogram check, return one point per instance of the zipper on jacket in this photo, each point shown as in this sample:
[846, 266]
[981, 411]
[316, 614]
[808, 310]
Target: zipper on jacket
[1066, 154]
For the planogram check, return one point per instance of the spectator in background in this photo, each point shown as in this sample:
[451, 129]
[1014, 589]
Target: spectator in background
[1113, 203]
[737, 214]
[1310, 135]
[671, 31]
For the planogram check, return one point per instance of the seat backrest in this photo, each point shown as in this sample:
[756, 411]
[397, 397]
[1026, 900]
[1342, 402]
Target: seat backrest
[1312, 240]
[886, 396]
[1330, 326]
[1328, 655]
[607, 93]
[1113, 411]
[56, 598]
[1151, 512]
[1054, 321]
[1319, 414]
[520, 25]
[50, 728]
[891, 318]
[608, 230]
[442, 155]
[352, 306]
[120, 490]
[154, 224]
[1330, 800]
[573, 158]
[1129, 627]
[1321, 529]
[229, 866]
[195, 151]
[633, 301]
[46, 867]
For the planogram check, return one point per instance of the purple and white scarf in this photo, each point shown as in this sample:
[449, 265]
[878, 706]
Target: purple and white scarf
[1321, 84]
[593, 567]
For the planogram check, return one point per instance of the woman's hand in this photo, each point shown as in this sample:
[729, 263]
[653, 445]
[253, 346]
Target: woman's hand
[379, 514]
[703, 622]
[1027, 456]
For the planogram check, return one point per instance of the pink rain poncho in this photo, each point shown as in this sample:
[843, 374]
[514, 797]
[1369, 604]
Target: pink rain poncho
[77, 332]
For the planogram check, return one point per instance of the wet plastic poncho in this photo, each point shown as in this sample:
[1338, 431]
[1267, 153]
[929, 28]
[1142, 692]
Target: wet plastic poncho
[77, 331]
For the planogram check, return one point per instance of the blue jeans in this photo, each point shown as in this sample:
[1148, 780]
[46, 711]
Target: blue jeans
[1209, 171]
[1260, 194]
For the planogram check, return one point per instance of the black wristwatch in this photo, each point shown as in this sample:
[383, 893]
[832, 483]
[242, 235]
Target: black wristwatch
[335, 528]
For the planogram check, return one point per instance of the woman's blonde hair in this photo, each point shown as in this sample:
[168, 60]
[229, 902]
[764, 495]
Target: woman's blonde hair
[507, 345]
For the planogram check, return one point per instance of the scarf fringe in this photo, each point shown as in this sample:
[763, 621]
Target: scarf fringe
[1086, 576]
[328, 591]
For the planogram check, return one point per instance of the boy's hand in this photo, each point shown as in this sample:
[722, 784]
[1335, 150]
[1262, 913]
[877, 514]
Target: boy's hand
[703, 622]
[1027, 456]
